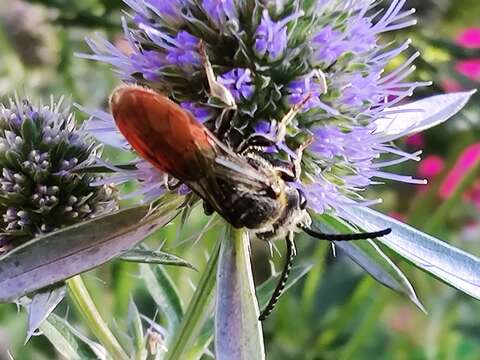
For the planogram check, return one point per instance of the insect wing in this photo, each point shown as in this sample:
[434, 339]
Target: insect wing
[162, 132]
[175, 142]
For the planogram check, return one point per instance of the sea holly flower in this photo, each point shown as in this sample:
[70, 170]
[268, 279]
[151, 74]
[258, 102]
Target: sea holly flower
[309, 77]
[271, 37]
[40, 149]
[220, 11]
[201, 112]
[239, 82]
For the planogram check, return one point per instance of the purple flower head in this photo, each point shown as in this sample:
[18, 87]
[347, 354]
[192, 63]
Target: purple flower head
[180, 50]
[184, 52]
[220, 11]
[362, 38]
[328, 45]
[239, 82]
[148, 63]
[169, 11]
[360, 32]
[362, 90]
[263, 127]
[201, 113]
[271, 36]
[307, 86]
[331, 60]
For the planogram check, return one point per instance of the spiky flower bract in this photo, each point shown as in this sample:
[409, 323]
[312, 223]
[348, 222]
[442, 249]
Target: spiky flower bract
[40, 147]
[272, 56]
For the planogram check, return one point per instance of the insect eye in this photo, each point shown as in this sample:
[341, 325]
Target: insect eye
[302, 199]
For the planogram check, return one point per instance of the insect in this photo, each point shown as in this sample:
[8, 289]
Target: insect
[245, 189]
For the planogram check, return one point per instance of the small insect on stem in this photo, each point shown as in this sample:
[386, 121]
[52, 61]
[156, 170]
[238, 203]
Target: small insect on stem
[291, 255]
[217, 89]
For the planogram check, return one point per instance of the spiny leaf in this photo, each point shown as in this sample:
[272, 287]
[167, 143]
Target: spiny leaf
[135, 330]
[41, 306]
[147, 256]
[66, 340]
[264, 292]
[450, 264]
[370, 258]
[238, 332]
[420, 115]
[52, 258]
[165, 293]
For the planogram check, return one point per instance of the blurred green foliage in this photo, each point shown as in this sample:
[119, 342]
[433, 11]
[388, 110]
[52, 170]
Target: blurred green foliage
[336, 311]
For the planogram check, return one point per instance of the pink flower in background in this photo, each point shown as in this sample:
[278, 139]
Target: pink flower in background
[449, 85]
[469, 38]
[398, 216]
[469, 68]
[416, 141]
[473, 195]
[431, 166]
[467, 160]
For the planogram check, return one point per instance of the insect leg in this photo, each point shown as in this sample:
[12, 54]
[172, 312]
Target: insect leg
[297, 161]
[291, 170]
[345, 237]
[283, 277]
[290, 115]
[264, 140]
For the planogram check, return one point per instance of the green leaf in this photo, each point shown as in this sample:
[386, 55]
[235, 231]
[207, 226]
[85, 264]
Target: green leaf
[87, 308]
[371, 258]
[454, 266]
[164, 292]
[238, 332]
[135, 330]
[60, 255]
[66, 341]
[147, 256]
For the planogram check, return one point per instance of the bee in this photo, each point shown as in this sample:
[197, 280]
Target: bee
[246, 189]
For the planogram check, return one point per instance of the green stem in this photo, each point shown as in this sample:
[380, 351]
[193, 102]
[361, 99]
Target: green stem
[198, 310]
[85, 305]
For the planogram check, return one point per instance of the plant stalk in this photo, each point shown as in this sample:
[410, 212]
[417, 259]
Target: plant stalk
[198, 310]
[86, 306]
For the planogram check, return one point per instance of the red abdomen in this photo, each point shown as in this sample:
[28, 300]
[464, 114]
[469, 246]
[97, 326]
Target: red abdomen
[160, 131]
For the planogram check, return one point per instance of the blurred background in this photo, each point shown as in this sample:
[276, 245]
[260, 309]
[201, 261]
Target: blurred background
[335, 311]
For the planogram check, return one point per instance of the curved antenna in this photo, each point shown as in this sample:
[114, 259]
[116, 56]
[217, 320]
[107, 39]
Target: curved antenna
[291, 255]
[283, 278]
[346, 237]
